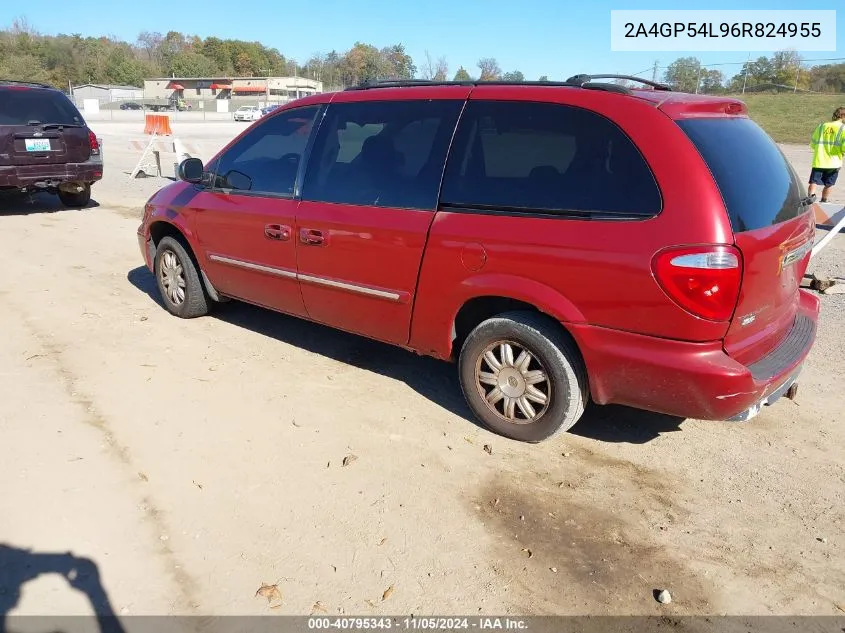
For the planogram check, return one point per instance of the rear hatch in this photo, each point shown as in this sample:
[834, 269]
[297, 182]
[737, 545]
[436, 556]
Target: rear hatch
[40, 126]
[773, 226]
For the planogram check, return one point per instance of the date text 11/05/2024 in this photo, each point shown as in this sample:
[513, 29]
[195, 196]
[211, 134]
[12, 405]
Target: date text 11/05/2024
[724, 29]
[419, 624]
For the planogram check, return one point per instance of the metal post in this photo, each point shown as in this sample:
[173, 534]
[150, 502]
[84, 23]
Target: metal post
[654, 72]
[797, 73]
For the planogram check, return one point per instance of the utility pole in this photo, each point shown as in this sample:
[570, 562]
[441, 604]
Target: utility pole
[745, 77]
[266, 85]
[698, 79]
[797, 73]
[654, 72]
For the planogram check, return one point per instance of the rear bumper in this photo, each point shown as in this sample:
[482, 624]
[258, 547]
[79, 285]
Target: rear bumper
[50, 175]
[693, 380]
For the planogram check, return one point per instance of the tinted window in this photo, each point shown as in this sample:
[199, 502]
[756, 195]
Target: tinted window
[758, 185]
[546, 157]
[266, 159]
[19, 106]
[381, 153]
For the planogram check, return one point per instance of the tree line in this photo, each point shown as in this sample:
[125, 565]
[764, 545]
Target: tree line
[61, 60]
[783, 71]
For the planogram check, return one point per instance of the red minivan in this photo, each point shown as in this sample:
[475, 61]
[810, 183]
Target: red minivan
[562, 242]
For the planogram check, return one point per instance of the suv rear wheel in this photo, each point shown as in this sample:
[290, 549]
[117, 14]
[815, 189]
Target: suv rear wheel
[76, 199]
[521, 376]
[178, 280]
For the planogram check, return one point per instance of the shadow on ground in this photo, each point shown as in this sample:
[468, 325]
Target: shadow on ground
[433, 379]
[20, 566]
[28, 204]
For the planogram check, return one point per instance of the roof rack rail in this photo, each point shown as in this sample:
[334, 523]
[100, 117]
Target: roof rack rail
[569, 83]
[33, 84]
[587, 79]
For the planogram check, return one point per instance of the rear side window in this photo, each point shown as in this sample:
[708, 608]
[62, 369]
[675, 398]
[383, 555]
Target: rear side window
[21, 106]
[546, 158]
[759, 186]
[381, 153]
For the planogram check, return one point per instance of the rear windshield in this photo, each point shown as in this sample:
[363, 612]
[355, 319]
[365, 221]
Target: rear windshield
[759, 186]
[20, 106]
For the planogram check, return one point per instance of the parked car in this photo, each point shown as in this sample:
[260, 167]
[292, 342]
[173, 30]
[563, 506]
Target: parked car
[268, 109]
[561, 242]
[247, 113]
[45, 144]
[131, 105]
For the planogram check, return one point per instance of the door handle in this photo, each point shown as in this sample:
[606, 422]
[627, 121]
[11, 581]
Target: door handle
[277, 232]
[312, 237]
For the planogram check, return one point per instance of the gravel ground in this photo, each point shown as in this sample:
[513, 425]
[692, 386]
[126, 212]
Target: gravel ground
[195, 461]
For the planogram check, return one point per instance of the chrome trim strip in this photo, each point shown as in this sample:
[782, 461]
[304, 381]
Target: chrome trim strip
[383, 294]
[320, 281]
[279, 272]
[793, 256]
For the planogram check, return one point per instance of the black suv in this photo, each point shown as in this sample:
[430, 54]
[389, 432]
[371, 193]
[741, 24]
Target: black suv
[45, 144]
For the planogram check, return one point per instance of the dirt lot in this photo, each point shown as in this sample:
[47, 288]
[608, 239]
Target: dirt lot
[195, 461]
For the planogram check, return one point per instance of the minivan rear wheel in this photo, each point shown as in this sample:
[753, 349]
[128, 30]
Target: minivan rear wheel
[522, 377]
[76, 199]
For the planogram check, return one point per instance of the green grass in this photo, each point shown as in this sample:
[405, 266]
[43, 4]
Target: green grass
[791, 118]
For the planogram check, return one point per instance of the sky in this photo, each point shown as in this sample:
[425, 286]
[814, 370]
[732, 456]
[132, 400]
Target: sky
[538, 37]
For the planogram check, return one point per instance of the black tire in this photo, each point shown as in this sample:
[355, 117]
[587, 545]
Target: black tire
[551, 352]
[193, 301]
[76, 200]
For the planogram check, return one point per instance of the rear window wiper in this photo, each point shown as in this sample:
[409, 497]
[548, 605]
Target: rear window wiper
[50, 126]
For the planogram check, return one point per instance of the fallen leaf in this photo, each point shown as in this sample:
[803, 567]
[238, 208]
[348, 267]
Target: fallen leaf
[328, 464]
[561, 484]
[349, 459]
[271, 592]
[553, 515]
[488, 449]
[371, 603]
[35, 356]
[334, 568]
[387, 593]
[530, 553]
[143, 318]
[143, 477]
[198, 485]
[496, 502]
[382, 541]
[295, 424]
[467, 440]
[318, 606]
[554, 569]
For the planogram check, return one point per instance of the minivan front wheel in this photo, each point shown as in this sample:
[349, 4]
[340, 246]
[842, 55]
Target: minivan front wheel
[522, 377]
[179, 281]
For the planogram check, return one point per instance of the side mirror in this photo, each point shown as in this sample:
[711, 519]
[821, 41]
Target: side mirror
[191, 170]
[237, 180]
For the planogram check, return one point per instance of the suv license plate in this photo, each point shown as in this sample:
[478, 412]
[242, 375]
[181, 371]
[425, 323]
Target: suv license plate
[37, 144]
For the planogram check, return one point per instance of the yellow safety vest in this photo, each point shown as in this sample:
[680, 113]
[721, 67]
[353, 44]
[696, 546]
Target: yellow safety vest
[828, 145]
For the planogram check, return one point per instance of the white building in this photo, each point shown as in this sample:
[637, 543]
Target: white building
[104, 92]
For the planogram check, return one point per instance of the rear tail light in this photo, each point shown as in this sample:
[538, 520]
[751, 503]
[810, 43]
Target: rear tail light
[94, 143]
[703, 280]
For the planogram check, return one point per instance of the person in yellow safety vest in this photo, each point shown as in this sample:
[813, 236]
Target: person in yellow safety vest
[828, 145]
